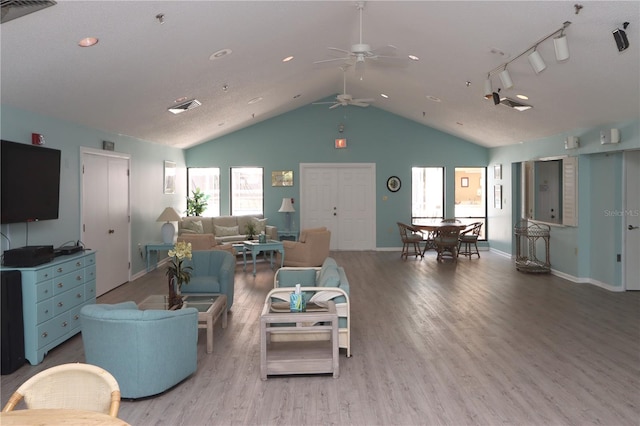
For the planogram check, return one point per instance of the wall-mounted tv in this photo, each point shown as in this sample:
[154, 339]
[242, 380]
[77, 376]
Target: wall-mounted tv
[30, 182]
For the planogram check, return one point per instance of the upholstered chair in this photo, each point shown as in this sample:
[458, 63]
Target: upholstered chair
[310, 250]
[213, 272]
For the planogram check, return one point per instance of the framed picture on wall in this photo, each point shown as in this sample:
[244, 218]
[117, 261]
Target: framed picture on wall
[464, 182]
[497, 171]
[169, 177]
[497, 196]
[282, 178]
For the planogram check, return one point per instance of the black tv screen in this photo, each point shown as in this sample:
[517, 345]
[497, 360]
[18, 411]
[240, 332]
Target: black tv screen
[30, 182]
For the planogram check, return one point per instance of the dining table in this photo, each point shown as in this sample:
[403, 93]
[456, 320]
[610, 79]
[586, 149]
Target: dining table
[59, 416]
[430, 231]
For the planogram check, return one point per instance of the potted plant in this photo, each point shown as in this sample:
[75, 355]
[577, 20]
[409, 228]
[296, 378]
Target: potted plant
[178, 273]
[251, 230]
[197, 203]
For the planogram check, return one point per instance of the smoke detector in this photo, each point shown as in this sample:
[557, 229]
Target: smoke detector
[180, 108]
[12, 9]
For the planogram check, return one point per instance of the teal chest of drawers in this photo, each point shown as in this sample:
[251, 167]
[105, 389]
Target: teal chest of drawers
[52, 295]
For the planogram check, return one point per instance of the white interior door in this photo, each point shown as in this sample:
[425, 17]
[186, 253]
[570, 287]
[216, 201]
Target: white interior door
[342, 198]
[105, 216]
[632, 220]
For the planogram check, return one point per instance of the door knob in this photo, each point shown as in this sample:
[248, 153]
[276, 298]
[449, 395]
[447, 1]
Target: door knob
[631, 227]
[111, 231]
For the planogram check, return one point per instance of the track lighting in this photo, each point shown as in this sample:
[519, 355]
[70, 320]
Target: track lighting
[496, 97]
[505, 78]
[535, 59]
[562, 47]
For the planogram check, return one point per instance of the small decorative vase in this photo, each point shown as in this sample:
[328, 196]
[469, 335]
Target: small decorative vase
[175, 299]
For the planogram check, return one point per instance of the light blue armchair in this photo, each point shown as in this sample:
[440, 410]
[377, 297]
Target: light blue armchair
[146, 351]
[214, 271]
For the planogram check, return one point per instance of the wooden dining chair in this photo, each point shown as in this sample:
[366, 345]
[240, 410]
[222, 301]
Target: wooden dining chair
[77, 386]
[469, 239]
[411, 239]
[447, 242]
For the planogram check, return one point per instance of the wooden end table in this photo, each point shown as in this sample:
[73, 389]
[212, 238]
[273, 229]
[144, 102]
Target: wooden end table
[298, 357]
[210, 307]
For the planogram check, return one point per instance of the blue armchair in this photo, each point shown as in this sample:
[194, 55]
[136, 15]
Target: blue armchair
[146, 351]
[214, 271]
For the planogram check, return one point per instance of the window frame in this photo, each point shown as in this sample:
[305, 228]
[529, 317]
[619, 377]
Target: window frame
[232, 193]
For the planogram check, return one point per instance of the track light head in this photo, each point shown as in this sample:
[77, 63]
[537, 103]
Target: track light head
[562, 47]
[505, 78]
[536, 61]
[488, 90]
[496, 97]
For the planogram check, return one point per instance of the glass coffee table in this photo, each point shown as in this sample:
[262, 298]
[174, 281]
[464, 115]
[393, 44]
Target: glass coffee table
[254, 247]
[210, 307]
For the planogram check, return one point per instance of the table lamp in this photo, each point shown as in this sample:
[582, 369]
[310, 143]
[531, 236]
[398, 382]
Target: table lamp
[168, 230]
[287, 209]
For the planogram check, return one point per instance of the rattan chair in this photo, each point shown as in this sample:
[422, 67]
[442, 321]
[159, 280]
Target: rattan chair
[447, 242]
[77, 386]
[469, 238]
[411, 239]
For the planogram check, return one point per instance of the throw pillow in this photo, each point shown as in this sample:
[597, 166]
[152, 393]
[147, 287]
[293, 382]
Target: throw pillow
[260, 225]
[195, 226]
[226, 231]
[329, 278]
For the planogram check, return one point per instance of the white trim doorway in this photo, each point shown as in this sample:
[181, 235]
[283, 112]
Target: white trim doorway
[341, 197]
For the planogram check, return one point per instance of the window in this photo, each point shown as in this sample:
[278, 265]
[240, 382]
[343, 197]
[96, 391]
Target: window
[427, 194]
[208, 180]
[471, 196]
[247, 189]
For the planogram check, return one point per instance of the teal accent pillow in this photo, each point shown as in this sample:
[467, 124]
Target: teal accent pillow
[329, 262]
[329, 277]
[304, 277]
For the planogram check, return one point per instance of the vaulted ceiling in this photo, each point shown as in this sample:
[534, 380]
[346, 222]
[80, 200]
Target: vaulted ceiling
[152, 53]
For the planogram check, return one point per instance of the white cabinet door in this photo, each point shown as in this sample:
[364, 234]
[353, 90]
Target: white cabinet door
[105, 217]
[632, 221]
[340, 197]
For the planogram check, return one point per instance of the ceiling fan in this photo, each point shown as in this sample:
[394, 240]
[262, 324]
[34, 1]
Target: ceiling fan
[345, 99]
[362, 52]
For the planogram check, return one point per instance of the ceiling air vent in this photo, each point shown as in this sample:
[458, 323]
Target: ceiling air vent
[512, 103]
[177, 109]
[12, 9]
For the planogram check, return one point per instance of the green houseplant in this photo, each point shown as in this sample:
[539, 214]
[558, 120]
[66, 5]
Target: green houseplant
[251, 230]
[197, 203]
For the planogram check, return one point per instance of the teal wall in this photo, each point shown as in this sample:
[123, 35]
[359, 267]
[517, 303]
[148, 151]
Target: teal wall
[598, 236]
[307, 135]
[147, 198]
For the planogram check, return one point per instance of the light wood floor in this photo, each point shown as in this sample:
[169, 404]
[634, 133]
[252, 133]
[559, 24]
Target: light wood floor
[433, 344]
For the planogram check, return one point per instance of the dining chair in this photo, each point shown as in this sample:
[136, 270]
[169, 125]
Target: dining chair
[411, 238]
[447, 242]
[76, 386]
[450, 220]
[469, 238]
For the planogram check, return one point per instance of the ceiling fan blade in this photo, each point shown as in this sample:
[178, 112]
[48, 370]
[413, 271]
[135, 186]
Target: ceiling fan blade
[335, 106]
[364, 101]
[389, 50]
[322, 103]
[330, 60]
[340, 50]
[359, 104]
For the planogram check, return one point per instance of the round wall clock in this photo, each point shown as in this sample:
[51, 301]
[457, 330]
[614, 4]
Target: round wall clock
[393, 183]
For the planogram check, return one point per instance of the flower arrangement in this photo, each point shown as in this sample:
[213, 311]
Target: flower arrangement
[177, 273]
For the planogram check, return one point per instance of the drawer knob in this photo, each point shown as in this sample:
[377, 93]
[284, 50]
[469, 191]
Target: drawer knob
[78, 278]
[79, 296]
[60, 304]
[76, 317]
[64, 324]
[46, 291]
[46, 311]
[60, 269]
[45, 334]
[78, 264]
[60, 285]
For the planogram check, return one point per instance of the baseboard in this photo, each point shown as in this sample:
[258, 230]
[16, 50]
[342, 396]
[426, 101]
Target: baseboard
[590, 281]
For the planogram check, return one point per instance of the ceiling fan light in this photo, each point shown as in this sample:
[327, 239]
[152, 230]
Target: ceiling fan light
[562, 48]
[488, 90]
[505, 78]
[536, 61]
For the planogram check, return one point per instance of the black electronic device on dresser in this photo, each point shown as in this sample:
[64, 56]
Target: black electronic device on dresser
[12, 331]
[28, 256]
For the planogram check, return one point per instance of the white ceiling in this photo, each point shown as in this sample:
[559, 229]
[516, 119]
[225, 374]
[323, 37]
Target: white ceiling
[126, 82]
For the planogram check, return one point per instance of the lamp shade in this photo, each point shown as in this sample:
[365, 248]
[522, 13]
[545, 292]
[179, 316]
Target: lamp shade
[536, 61]
[286, 206]
[562, 48]
[169, 215]
[488, 90]
[506, 79]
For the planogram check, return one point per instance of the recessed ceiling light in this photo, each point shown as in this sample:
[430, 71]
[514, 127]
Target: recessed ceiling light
[414, 58]
[434, 98]
[384, 96]
[287, 59]
[523, 97]
[182, 99]
[219, 54]
[88, 42]
[255, 100]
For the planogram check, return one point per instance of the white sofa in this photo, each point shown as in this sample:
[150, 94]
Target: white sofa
[226, 229]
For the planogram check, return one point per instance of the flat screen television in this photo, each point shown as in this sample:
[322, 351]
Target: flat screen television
[30, 182]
